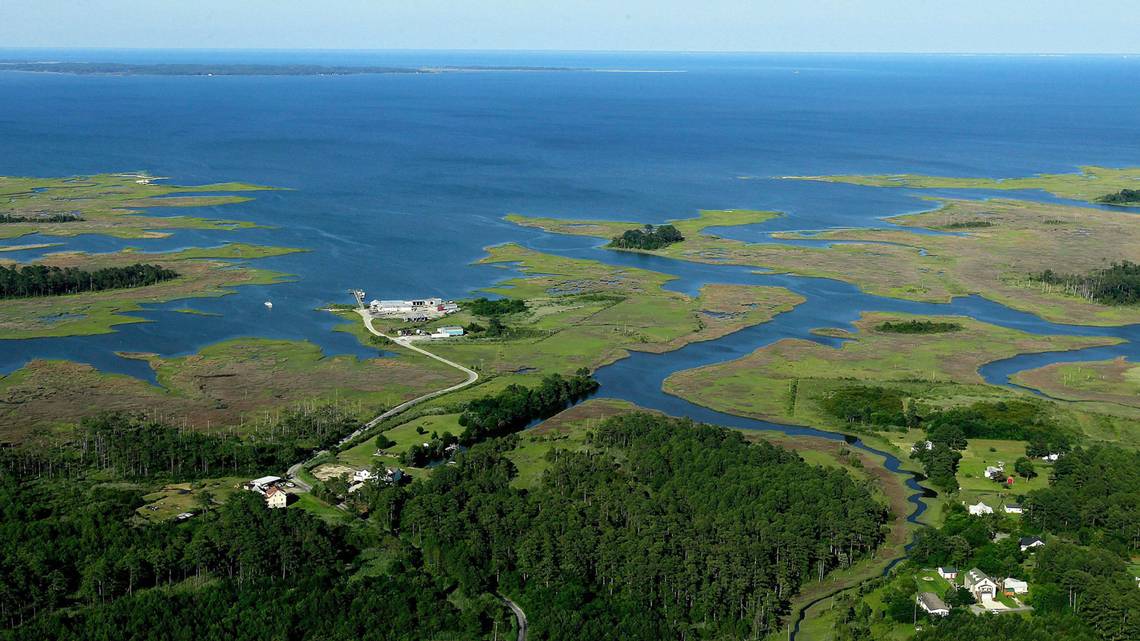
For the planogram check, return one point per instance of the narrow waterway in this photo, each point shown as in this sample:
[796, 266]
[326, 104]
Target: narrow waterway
[639, 378]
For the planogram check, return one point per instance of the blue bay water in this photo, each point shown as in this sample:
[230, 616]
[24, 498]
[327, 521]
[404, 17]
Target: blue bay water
[398, 182]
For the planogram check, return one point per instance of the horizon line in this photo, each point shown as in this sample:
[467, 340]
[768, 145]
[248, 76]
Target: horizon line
[575, 51]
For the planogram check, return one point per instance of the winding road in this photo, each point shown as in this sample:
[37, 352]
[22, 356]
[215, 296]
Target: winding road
[405, 342]
[520, 616]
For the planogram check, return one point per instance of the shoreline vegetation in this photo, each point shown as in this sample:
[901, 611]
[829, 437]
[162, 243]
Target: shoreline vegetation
[997, 261]
[97, 291]
[111, 205]
[1090, 183]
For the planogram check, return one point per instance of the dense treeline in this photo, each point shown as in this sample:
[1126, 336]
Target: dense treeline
[890, 408]
[131, 446]
[72, 568]
[48, 218]
[918, 327]
[45, 280]
[1118, 284]
[647, 238]
[1122, 197]
[499, 307]
[63, 546]
[1094, 495]
[965, 626]
[695, 527]
[868, 405]
[516, 406]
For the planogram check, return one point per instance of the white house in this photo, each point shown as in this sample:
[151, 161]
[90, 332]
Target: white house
[980, 584]
[979, 509]
[1030, 542]
[1015, 586]
[925, 444]
[992, 470]
[262, 484]
[276, 497]
[1012, 508]
[932, 604]
[360, 476]
[948, 573]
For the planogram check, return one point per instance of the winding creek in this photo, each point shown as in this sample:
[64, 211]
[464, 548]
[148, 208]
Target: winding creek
[638, 378]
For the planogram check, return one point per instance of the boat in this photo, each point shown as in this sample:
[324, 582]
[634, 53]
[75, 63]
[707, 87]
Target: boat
[269, 304]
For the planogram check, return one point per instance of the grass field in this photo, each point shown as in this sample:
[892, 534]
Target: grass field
[979, 454]
[1113, 381]
[584, 313]
[1088, 184]
[940, 368]
[112, 205]
[175, 498]
[234, 384]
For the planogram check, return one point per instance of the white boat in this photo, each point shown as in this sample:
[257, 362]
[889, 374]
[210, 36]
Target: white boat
[269, 304]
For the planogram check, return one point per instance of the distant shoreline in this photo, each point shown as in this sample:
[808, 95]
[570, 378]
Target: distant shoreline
[189, 69]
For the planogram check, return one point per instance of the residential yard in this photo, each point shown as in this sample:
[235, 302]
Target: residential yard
[176, 498]
[981, 453]
[927, 580]
[317, 507]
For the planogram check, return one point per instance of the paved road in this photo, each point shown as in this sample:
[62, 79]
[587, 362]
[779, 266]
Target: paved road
[520, 616]
[405, 342]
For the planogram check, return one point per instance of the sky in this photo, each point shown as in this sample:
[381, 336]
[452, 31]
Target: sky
[929, 26]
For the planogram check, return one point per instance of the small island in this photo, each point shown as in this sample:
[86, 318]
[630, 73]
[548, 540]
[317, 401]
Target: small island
[647, 238]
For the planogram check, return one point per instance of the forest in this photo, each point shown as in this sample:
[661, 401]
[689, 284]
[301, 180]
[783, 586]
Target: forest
[664, 529]
[516, 406]
[1117, 284]
[1094, 496]
[647, 238]
[498, 307]
[45, 280]
[45, 218]
[918, 327]
[667, 528]
[130, 446]
[1122, 197]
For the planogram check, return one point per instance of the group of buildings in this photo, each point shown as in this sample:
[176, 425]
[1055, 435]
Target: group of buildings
[391, 476]
[981, 508]
[984, 588]
[415, 310]
[272, 488]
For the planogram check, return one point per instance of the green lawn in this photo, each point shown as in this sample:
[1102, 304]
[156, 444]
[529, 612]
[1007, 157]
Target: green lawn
[176, 498]
[927, 580]
[311, 504]
[984, 452]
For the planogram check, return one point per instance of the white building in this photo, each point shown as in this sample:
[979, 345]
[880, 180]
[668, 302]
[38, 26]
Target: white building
[948, 573]
[1015, 586]
[1029, 542]
[1012, 508]
[276, 497]
[360, 476]
[262, 484]
[932, 604]
[980, 584]
[979, 509]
